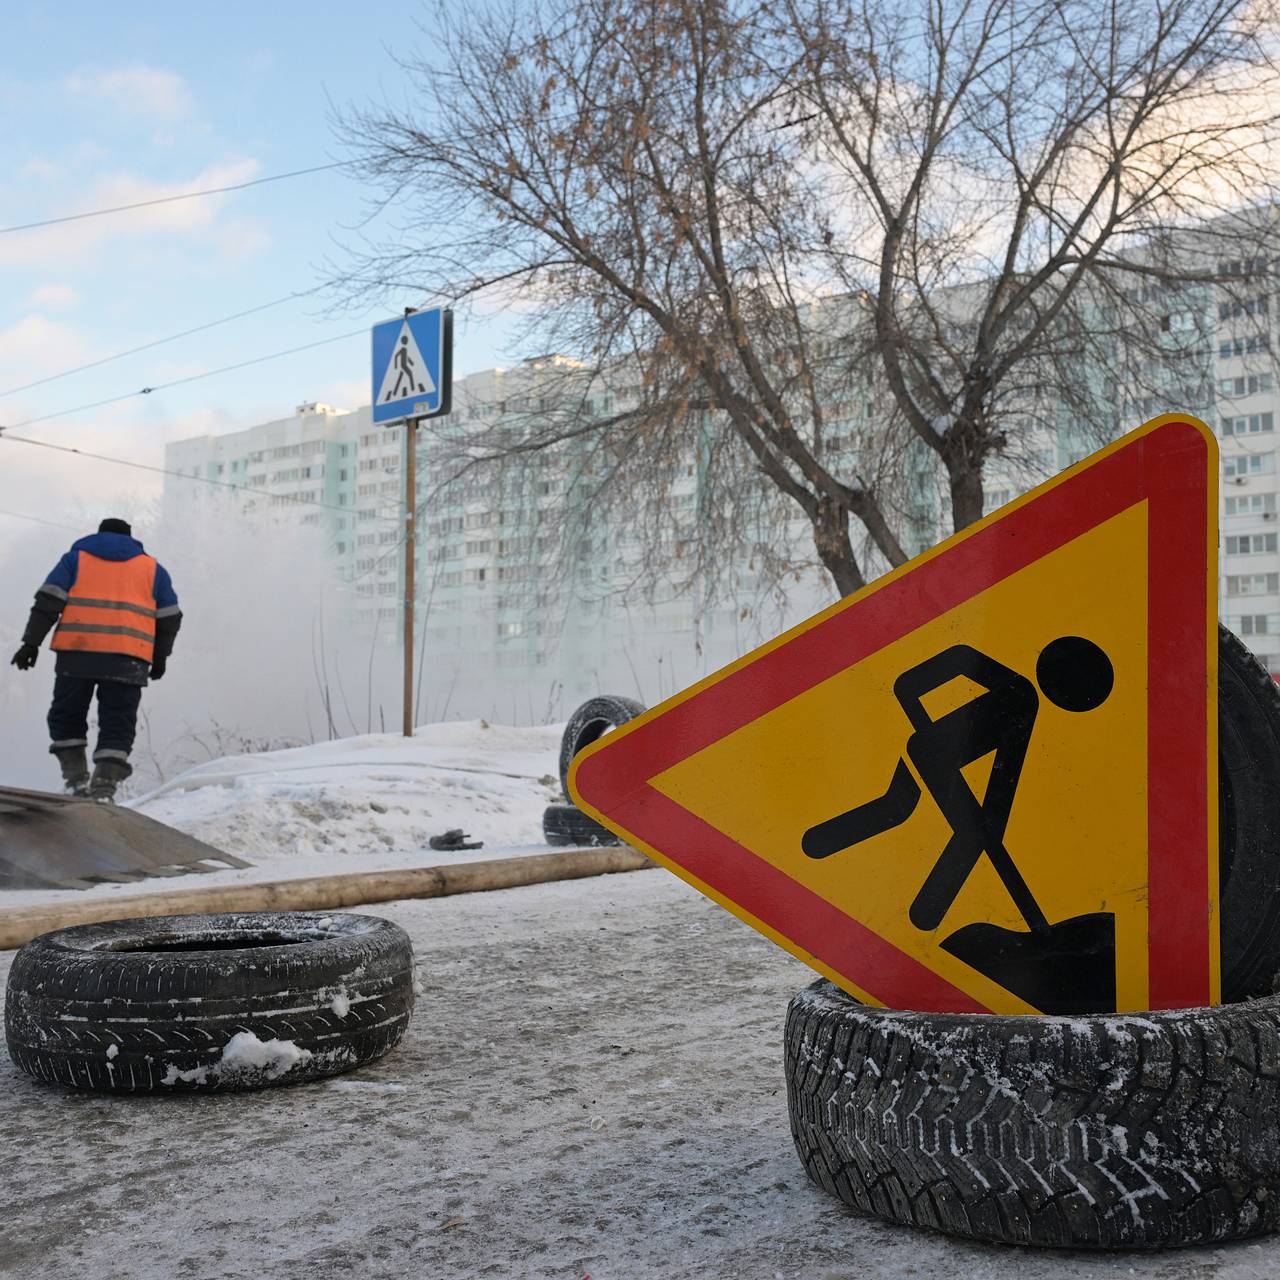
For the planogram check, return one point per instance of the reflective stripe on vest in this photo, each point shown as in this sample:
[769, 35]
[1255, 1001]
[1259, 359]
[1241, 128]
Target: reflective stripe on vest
[111, 608]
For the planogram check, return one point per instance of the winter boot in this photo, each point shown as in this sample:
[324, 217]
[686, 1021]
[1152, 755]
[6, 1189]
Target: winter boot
[108, 774]
[75, 769]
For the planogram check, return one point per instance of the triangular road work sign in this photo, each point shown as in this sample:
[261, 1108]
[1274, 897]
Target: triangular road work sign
[407, 373]
[987, 781]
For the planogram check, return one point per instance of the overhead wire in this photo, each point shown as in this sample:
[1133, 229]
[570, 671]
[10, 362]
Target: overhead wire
[285, 499]
[53, 524]
[178, 382]
[184, 195]
[159, 342]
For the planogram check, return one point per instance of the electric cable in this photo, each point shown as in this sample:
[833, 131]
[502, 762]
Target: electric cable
[285, 499]
[159, 342]
[186, 195]
[178, 382]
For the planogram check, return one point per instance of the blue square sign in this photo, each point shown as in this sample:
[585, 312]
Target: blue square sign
[412, 366]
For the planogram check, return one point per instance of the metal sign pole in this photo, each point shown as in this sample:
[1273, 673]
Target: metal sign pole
[410, 539]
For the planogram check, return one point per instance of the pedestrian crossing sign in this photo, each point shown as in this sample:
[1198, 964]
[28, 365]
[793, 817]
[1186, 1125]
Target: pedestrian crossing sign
[412, 365]
[987, 782]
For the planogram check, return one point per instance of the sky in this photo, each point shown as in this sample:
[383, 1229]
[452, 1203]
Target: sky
[110, 104]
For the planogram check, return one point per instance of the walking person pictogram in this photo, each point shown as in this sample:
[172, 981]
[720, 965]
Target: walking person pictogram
[403, 362]
[1068, 967]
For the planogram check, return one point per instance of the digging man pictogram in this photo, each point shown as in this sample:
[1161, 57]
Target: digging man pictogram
[1068, 967]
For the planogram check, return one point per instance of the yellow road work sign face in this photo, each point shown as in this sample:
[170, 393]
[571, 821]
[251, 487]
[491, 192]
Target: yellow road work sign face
[805, 761]
[984, 782]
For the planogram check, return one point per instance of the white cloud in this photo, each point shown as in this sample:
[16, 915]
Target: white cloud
[54, 297]
[138, 90]
[34, 346]
[39, 170]
[200, 218]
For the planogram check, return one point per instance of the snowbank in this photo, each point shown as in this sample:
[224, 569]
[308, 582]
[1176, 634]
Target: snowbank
[369, 796]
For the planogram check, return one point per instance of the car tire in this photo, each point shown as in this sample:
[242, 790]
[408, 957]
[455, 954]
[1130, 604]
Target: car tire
[201, 1003]
[591, 721]
[1143, 1130]
[565, 825]
[1249, 820]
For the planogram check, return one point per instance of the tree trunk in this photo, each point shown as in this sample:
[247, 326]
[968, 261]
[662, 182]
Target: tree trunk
[966, 493]
[831, 538]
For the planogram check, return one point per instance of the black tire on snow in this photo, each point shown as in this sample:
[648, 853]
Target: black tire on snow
[1142, 1130]
[592, 720]
[178, 1004]
[1249, 820]
[565, 824]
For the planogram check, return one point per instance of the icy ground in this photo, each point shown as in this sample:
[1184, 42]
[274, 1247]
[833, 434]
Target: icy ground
[591, 1086]
[357, 804]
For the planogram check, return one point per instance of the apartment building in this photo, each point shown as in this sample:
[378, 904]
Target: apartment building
[523, 592]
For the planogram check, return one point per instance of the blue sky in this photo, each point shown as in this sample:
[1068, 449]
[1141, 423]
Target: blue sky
[108, 104]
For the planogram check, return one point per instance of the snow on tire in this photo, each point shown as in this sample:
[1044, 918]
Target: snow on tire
[1141, 1130]
[208, 1002]
[593, 720]
[566, 824]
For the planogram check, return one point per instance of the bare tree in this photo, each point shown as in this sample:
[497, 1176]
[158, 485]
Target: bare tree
[843, 245]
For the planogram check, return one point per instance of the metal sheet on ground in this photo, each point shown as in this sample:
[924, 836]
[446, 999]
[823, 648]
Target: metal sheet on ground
[986, 782]
[52, 841]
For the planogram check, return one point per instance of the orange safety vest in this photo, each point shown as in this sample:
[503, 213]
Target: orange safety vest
[111, 608]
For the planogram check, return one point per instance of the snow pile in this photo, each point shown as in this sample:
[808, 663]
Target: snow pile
[244, 1059]
[371, 796]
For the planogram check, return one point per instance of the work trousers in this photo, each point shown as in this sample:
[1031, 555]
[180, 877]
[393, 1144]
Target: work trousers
[117, 715]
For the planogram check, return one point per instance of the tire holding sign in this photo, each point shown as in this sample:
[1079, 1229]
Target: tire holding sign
[986, 782]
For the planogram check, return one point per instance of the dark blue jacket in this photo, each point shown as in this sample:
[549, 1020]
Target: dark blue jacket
[52, 596]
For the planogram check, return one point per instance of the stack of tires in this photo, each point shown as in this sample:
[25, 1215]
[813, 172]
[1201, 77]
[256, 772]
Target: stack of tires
[1138, 1130]
[566, 824]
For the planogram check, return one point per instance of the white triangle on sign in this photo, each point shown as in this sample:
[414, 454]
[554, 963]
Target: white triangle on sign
[407, 373]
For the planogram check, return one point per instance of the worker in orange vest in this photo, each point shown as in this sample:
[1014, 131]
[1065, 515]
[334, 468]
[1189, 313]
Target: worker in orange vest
[116, 616]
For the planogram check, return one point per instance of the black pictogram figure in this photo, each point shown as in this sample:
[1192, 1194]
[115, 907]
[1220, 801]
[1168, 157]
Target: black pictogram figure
[404, 371]
[1067, 967]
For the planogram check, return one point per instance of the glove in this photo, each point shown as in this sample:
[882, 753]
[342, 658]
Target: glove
[157, 668]
[25, 658]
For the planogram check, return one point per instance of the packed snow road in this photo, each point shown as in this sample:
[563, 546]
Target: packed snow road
[591, 1086]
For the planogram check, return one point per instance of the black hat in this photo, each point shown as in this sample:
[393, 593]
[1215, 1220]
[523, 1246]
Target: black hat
[113, 525]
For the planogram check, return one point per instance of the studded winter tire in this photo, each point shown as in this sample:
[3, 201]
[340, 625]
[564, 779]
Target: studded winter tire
[1249, 820]
[593, 720]
[208, 1002]
[566, 824]
[1143, 1130]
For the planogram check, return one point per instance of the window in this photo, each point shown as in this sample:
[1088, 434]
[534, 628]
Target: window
[1250, 425]
[1248, 385]
[481, 547]
[453, 579]
[478, 520]
[473, 575]
[386, 588]
[1249, 464]
[1249, 346]
[510, 630]
[1246, 307]
[993, 498]
[1252, 624]
[1251, 504]
[366, 539]
[1242, 266]
[1248, 544]
[1253, 584]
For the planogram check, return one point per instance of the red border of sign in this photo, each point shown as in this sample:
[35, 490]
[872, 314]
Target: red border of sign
[1168, 463]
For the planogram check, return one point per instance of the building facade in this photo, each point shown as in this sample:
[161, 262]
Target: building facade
[523, 603]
